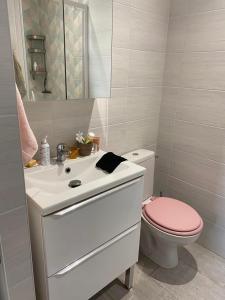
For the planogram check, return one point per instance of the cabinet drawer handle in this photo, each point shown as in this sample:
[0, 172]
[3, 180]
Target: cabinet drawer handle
[93, 199]
[95, 252]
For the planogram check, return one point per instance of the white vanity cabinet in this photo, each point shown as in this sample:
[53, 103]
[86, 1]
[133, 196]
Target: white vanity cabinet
[79, 249]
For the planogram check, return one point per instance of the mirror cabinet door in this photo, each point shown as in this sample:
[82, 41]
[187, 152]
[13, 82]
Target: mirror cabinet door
[76, 50]
[66, 48]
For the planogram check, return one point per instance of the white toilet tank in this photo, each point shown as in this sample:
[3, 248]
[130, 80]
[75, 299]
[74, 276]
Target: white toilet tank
[146, 159]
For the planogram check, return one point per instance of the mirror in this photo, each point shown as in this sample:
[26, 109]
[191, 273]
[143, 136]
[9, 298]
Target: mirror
[76, 50]
[67, 49]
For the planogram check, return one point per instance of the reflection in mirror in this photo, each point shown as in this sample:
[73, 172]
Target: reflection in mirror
[44, 58]
[67, 49]
[100, 47]
[76, 49]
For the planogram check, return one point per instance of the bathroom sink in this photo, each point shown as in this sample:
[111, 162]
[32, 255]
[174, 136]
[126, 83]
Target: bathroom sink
[48, 187]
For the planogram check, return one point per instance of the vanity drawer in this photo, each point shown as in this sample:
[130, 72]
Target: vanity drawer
[91, 273]
[77, 230]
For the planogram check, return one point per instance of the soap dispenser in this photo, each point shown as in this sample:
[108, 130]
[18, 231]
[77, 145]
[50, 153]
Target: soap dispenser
[44, 152]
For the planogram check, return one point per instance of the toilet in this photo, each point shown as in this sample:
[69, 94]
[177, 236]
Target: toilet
[167, 223]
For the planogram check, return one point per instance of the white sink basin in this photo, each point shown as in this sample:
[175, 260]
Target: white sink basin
[48, 187]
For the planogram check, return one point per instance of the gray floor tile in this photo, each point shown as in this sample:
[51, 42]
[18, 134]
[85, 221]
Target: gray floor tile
[208, 263]
[179, 276]
[200, 288]
[200, 275]
[146, 265]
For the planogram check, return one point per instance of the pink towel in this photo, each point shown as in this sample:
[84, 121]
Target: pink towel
[28, 141]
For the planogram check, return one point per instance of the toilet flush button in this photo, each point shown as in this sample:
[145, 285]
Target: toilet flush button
[135, 154]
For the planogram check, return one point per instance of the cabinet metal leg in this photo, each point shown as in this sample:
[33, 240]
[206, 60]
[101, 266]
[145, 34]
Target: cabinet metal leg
[129, 278]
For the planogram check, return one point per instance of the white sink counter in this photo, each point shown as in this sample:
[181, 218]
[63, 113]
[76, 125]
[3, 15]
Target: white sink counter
[47, 187]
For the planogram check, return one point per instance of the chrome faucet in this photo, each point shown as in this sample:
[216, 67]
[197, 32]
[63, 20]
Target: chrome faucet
[61, 152]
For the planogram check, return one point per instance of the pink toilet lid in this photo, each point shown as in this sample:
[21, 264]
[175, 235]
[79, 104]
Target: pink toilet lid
[173, 214]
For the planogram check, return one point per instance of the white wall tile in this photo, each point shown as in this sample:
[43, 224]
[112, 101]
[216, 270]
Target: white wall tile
[117, 138]
[71, 109]
[203, 70]
[6, 74]
[155, 7]
[126, 2]
[209, 205]
[14, 232]
[205, 141]
[117, 106]
[12, 186]
[204, 173]
[65, 129]
[176, 39]
[121, 25]
[205, 31]
[37, 112]
[165, 133]
[160, 182]
[120, 67]
[199, 6]
[163, 163]
[16, 246]
[7, 100]
[42, 129]
[141, 134]
[213, 238]
[99, 113]
[173, 69]
[191, 131]
[146, 68]
[169, 102]
[142, 27]
[179, 7]
[10, 143]
[143, 103]
[198, 106]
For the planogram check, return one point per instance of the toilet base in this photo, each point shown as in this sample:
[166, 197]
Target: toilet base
[162, 247]
[159, 250]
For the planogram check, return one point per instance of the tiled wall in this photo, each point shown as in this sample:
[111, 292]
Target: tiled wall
[14, 235]
[130, 119]
[191, 164]
[191, 140]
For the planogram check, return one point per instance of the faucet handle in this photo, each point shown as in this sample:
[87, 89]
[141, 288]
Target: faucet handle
[62, 147]
[61, 152]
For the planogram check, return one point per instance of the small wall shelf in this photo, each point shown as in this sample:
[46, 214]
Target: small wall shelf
[36, 37]
[36, 73]
[37, 47]
[36, 50]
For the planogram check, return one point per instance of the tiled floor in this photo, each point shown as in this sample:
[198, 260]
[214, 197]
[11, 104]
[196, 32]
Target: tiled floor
[200, 275]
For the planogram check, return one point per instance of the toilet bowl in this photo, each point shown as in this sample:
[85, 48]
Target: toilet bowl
[167, 223]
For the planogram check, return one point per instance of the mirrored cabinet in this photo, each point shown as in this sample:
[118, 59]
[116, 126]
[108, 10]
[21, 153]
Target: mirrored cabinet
[66, 48]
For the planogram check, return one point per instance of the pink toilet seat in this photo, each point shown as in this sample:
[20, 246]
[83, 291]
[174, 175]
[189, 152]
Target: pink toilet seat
[173, 216]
